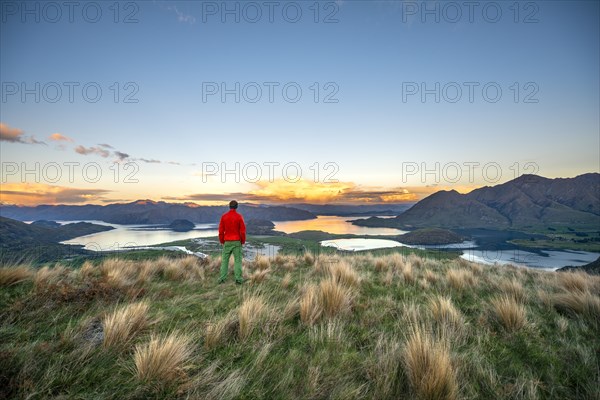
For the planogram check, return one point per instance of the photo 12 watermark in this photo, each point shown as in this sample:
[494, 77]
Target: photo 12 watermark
[69, 92]
[253, 172]
[453, 12]
[469, 92]
[68, 172]
[467, 171]
[252, 12]
[269, 92]
[54, 12]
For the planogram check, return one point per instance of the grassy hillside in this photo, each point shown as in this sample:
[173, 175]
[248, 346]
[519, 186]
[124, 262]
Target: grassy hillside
[339, 327]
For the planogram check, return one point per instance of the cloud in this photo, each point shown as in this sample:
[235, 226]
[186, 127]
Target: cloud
[39, 193]
[60, 138]
[15, 135]
[106, 146]
[183, 17]
[92, 150]
[151, 161]
[121, 156]
[304, 191]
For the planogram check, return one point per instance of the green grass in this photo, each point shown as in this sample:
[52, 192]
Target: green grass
[245, 342]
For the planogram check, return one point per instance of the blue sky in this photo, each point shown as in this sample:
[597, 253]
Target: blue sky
[367, 57]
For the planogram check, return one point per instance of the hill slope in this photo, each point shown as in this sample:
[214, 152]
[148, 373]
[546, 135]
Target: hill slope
[335, 327]
[150, 212]
[526, 203]
[40, 242]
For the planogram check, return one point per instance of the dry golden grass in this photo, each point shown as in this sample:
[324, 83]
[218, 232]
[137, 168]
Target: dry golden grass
[444, 312]
[381, 264]
[286, 281]
[309, 258]
[163, 360]
[14, 275]
[46, 276]
[510, 314]
[429, 367]
[460, 279]
[407, 273]
[123, 324]
[514, 289]
[258, 276]
[335, 297]
[310, 305]
[431, 276]
[342, 272]
[252, 310]
[388, 279]
[261, 262]
[395, 261]
[384, 370]
[415, 260]
[120, 273]
[477, 269]
[88, 270]
[585, 304]
[329, 332]
[220, 330]
[574, 281]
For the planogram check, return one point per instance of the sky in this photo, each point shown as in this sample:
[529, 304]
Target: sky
[283, 102]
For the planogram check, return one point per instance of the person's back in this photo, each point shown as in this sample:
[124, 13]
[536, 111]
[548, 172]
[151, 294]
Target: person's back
[232, 235]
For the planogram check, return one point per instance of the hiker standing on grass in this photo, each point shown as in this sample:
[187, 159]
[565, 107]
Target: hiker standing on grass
[232, 235]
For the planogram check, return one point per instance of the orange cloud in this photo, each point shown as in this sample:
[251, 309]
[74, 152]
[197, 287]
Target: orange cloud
[38, 193]
[58, 137]
[15, 135]
[305, 191]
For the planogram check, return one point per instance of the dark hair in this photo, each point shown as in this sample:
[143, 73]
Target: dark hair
[233, 204]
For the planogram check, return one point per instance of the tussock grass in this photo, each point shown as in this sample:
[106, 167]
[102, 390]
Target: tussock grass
[574, 281]
[578, 303]
[407, 273]
[343, 273]
[431, 276]
[513, 288]
[258, 276]
[335, 298]
[220, 331]
[261, 263]
[286, 281]
[429, 367]
[330, 332]
[510, 314]
[14, 275]
[448, 318]
[309, 258]
[310, 305]
[124, 323]
[460, 279]
[252, 310]
[163, 360]
[336, 328]
[385, 368]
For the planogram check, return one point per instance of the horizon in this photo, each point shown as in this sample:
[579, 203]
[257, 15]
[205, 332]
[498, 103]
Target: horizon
[333, 102]
[284, 204]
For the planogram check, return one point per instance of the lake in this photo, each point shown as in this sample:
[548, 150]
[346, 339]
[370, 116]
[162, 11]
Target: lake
[136, 236]
[148, 235]
[334, 224]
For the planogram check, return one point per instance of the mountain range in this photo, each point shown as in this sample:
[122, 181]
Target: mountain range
[529, 202]
[149, 212]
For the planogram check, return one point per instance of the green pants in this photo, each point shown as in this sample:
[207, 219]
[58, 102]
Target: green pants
[235, 247]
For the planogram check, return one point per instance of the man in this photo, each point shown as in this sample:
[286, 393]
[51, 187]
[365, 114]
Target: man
[232, 235]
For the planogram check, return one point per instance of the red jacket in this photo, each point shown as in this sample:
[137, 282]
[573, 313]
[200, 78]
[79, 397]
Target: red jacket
[232, 227]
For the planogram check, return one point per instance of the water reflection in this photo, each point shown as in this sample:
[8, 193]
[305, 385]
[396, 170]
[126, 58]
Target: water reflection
[333, 224]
